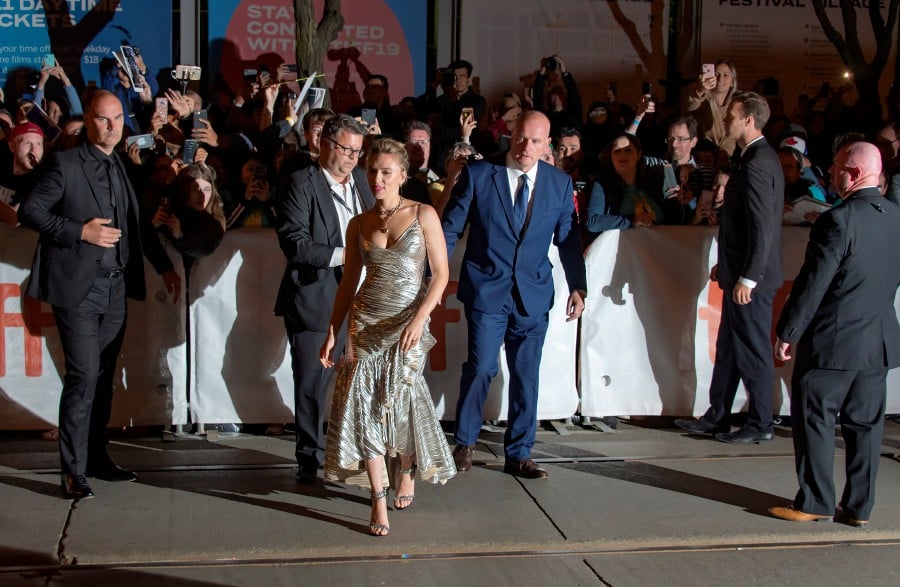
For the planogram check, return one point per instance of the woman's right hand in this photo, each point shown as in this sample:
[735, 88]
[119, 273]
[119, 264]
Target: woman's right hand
[161, 216]
[708, 83]
[325, 351]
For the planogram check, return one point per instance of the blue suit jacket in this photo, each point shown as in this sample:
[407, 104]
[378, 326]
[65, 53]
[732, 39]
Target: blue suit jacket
[497, 259]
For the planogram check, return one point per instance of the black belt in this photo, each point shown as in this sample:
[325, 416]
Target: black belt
[112, 273]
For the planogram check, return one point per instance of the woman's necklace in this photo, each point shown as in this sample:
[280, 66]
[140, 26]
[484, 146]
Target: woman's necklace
[386, 215]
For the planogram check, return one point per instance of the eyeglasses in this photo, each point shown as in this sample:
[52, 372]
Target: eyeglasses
[348, 151]
[673, 140]
[419, 141]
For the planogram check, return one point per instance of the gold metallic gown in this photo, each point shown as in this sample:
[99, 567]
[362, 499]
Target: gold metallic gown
[381, 404]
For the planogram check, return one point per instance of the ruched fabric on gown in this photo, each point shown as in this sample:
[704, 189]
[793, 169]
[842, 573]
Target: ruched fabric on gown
[381, 404]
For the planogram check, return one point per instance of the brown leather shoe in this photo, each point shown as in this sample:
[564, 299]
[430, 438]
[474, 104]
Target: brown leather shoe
[527, 469]
[792, 515]
[842, 517]
[462, 456]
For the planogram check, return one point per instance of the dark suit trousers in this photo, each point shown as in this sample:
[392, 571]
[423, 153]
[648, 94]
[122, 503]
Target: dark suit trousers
[817, 395]
[744, 352]
[310, 389]
[91, 334]
[524, 339]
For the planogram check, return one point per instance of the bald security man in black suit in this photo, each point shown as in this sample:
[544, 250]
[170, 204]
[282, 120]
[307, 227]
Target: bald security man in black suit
[89, 258]
[841, 320]
[749, 273]
[314, 206]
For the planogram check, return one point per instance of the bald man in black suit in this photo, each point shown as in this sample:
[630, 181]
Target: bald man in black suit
[841, 320]
[89, 259]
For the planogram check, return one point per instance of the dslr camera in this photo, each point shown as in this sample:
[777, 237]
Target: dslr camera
[448, 77]
[550, 62]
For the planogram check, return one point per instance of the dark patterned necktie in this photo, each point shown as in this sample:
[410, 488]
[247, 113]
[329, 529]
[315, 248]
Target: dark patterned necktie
[520, 207]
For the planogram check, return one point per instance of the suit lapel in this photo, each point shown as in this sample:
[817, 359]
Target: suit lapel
[322, 194]
[501, 183]
[89, 179]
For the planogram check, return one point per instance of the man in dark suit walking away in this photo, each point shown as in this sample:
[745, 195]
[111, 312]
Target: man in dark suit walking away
[749, 273]
[314, 207]
[89, 258]
[513, 211]
[841, 321]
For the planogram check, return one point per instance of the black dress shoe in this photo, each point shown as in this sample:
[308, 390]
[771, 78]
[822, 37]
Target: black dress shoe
[76, 487]
[111, 472]
[701, 426]
[307, 472]
[842, 517]
[745, 435]
[462, 456]
[527, 469]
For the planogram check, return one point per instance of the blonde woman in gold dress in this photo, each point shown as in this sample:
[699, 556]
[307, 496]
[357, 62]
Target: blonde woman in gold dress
[382, 416]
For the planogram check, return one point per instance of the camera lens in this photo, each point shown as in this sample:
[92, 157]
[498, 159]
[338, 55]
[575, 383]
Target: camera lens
[551, 63]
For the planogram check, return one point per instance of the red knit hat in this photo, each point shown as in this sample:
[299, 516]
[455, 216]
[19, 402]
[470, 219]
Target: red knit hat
[25, 128]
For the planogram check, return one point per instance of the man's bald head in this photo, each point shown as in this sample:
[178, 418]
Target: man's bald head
[856, 166]
[529, 141]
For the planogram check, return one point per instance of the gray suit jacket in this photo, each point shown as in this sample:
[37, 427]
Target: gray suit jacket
[308, 232]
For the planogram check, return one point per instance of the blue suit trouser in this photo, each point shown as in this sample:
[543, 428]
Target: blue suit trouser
[524, 339]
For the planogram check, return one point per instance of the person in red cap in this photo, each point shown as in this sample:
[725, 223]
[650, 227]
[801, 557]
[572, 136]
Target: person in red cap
[26, 142]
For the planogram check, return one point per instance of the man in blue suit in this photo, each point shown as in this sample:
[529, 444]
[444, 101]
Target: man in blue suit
[513, 211]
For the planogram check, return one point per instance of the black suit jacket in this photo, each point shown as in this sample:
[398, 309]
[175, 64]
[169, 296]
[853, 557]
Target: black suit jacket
[60, 203]
[308, 232]
[841, 311]
[750, 223]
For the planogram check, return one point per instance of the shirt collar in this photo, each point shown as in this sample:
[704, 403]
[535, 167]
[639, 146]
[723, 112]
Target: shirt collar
[333, 183]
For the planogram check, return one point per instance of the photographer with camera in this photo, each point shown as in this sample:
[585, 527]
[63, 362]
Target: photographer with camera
[455, 83]
[377, 105]
[561, 103]
[423, 185]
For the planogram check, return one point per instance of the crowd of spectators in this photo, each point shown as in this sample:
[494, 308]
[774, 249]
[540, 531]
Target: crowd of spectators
[632, 165]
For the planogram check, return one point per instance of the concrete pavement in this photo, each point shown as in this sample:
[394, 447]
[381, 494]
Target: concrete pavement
[643, 505]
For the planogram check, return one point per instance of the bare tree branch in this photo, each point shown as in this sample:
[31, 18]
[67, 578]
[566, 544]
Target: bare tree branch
[631, 32]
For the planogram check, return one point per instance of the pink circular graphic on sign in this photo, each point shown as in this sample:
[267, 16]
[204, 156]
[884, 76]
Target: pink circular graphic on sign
[372, 41]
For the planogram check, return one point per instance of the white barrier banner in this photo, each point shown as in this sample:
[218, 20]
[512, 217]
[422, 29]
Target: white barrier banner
[149, 387]
[242, 370]
[649, 329]
[648, 337]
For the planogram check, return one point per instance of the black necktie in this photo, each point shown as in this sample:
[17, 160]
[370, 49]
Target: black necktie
[117, 199]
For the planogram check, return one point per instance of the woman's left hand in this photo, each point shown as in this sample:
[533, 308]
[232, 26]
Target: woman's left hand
[411, 335]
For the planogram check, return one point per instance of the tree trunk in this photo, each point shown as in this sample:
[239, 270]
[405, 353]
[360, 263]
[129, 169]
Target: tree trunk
[313, 38]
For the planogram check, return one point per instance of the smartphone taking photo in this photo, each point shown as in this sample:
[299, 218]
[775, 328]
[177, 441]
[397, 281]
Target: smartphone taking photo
[200, 116]
[189, 151]
[143, 141]
[669, 181]
[162, 108]
[368, 116]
